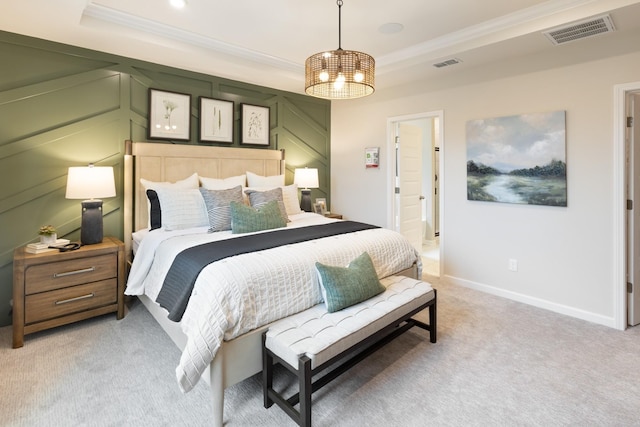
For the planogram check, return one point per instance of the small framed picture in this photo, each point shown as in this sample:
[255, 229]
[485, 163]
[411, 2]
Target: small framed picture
[321, 206]
[169, 115]
[372, 157]
[216, 120]
[255, 125]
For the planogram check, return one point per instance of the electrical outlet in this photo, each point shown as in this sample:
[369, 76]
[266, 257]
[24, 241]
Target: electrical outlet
[513, 264]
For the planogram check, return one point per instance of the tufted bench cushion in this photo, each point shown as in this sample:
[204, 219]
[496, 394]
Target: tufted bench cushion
[322, 335]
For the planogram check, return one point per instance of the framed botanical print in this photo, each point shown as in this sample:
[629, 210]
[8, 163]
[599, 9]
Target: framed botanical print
[216, 120]
[255, 125]
[169, 115]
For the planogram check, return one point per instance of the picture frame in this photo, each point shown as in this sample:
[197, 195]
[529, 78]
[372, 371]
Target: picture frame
[320, 206]
[255, 125]
[169, 115]
[216, 120]
[524, 163]
[372, 157]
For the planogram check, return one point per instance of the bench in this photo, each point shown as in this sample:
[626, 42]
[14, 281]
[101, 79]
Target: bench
[314, 340]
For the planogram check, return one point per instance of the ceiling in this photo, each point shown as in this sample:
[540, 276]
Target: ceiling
[267, 42]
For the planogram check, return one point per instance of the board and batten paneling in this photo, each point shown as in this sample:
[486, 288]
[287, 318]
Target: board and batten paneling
[64, 106]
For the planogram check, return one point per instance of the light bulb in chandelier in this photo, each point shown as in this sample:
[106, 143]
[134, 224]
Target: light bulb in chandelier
[324, 74]
[339, 83]
[358, 75]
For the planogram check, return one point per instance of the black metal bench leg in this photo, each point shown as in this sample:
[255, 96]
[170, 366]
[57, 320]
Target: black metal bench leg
[432, 318]
[267, 374]
[304, 378]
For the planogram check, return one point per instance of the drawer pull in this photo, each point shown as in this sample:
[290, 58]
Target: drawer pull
[65, 301]
[71, 273]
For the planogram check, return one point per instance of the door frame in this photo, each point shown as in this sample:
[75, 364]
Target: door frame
[619, 251]
[391, 167]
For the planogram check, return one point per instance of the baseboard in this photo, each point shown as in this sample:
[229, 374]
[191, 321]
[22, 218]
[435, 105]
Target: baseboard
[536, 302]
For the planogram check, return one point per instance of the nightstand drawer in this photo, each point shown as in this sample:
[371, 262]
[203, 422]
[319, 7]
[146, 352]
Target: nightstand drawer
[48, 305]
[46, 277]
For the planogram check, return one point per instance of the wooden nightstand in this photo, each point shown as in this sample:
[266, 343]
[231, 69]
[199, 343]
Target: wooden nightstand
[333, 215]
[55, 288]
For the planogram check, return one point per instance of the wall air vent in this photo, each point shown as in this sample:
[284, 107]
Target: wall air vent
[580, 30]
[448, 62]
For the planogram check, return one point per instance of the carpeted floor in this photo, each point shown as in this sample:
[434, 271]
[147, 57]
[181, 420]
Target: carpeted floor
[497, 362]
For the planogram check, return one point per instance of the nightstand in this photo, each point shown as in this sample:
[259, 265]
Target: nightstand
[56, 288]
[333, 215]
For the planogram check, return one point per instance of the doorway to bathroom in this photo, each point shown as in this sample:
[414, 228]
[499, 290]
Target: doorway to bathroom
[416, 141]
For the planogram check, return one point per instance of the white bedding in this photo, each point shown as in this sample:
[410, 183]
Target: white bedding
[241, 293]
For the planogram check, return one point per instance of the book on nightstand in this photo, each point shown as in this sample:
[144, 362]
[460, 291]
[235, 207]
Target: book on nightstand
[37, 248]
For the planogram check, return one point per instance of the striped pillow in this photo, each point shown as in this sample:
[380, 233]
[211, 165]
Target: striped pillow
[259, 198]
[218, 203]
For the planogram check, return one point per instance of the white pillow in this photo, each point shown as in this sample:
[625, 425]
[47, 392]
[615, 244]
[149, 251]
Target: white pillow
[223, 183]
[291, 201]
[272, 181]
[189, 182]
[182, 208]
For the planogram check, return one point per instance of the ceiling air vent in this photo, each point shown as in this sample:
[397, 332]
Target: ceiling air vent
[580, 30]
[448, 62]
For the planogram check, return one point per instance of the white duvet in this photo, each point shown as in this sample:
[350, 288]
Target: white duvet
[238, 294]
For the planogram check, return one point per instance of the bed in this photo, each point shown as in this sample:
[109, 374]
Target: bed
[224, 346]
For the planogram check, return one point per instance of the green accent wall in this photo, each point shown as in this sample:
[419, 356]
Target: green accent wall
[64, 106]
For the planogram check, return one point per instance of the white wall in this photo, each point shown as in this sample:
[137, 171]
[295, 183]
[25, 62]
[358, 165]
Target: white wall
[564, 254]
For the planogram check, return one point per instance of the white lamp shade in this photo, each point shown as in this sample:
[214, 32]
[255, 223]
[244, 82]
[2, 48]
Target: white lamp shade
[306, 177]
[90, 182]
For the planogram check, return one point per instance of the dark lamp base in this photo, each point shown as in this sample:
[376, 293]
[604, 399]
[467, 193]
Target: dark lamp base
[91, 231]
[305, 202]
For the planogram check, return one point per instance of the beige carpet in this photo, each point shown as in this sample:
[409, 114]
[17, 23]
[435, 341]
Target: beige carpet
[497, 362]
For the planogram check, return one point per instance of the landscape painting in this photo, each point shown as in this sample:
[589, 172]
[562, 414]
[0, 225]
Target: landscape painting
[518, 159]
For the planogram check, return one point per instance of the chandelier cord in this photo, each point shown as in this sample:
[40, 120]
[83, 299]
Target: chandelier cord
[339, 3]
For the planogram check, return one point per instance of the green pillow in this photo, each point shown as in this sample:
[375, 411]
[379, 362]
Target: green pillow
[344, 287]
[245, 219]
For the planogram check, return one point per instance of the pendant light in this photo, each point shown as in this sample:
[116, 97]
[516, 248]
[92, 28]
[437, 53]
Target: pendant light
[340, 74]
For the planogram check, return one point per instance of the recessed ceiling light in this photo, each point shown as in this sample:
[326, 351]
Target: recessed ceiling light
[391, 28]
[178, 4]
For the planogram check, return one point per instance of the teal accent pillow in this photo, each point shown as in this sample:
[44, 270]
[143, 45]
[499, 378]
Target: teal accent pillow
[346, 286]
[246, 219]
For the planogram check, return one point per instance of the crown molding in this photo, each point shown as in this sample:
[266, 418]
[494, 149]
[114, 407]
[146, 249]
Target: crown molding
[115, 17]
[508, 26]
[482, 30]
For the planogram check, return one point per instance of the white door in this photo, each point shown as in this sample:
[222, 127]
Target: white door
[633, 215]
[410, 184]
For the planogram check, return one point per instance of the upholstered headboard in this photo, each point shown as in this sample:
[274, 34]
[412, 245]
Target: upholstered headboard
[173, 162]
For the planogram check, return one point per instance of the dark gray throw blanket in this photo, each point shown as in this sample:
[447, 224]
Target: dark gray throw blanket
[187, 265]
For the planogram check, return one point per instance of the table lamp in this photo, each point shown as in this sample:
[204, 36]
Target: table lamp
[89, 183]
[306, 178]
